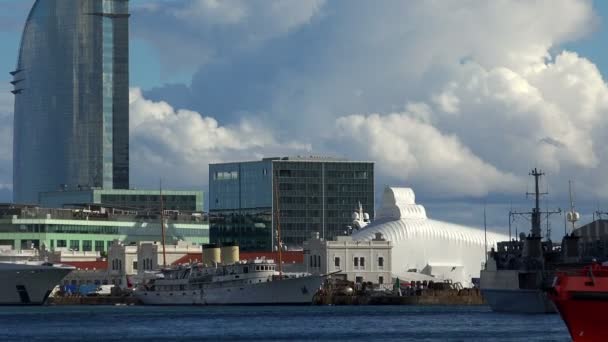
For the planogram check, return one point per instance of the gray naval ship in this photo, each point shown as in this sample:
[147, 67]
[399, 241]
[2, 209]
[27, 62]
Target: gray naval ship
[518, 273]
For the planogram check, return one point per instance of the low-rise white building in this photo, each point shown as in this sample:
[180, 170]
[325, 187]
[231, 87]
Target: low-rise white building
[357, 261]
[60, 255]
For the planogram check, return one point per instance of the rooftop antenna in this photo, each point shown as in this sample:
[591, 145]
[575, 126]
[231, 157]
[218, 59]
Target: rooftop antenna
[572, 216]
[162, 224]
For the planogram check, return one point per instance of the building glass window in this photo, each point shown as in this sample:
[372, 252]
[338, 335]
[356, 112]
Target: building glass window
[337, 262]
[61, 243]
[380, 280]
[74, 245]
[87, 245]
[99, 246]
[362, 261]
[356, 262]
[380, 262]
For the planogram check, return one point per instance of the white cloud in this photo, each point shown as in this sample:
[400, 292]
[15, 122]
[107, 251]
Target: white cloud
[407, 148]
[178, 145]
[453, 96]
[211, 29]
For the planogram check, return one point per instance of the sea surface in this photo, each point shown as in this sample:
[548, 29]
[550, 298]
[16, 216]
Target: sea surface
[283, 323]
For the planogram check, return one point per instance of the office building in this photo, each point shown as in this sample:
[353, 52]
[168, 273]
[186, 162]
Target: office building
[315, 194]
[95, 227]
[71, 88]
[123, 198]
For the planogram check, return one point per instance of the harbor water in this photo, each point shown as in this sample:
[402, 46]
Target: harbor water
[282, 323]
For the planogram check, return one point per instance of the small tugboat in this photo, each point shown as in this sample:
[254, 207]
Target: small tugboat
[581, 297]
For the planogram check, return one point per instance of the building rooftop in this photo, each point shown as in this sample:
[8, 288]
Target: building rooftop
[97, 212]
[300, 159]
[124, 191]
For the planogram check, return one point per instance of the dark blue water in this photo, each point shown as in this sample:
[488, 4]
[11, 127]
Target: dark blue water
[306, 323]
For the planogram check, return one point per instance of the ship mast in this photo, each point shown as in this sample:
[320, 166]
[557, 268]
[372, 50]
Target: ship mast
[536, 230]
[278, 216]
[162, 225]
[536, 212]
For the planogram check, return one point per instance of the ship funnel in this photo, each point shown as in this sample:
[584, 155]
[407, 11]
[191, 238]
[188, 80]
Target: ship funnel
[230, 254]
[211, 254]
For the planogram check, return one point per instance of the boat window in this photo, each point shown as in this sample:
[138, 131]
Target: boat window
[245, 269]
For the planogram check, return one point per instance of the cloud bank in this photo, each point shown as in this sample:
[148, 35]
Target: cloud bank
[457, 99]
[177, 145]
[454, 98]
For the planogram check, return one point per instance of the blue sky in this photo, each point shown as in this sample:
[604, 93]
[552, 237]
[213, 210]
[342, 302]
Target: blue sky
[455, 99]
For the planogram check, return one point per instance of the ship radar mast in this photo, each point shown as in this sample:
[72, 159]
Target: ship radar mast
[536, 229]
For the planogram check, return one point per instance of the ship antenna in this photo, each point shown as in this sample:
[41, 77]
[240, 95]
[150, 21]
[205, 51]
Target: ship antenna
[536, 211]
[485, 233]
[278, 216]
[162, 224]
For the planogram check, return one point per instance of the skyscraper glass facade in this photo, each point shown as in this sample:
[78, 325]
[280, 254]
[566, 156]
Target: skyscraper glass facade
[311, 195]
[71, 88]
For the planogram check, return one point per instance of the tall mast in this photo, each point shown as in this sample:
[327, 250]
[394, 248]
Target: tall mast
[536, 230]
[162, 225]
[485, 233]
[278, 215]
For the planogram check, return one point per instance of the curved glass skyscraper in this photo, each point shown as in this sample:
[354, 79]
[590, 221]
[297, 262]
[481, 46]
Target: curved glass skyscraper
[71, 87]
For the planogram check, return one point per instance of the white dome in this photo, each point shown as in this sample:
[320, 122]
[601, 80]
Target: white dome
[444, 249]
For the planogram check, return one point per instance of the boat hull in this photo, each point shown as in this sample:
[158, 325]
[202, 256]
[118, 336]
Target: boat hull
[582, 300]
[28, 284]
[585, 319]
[503, 291]
[292, 291]
[518, 301]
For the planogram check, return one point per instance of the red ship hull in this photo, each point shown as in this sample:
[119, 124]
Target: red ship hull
[582, 301]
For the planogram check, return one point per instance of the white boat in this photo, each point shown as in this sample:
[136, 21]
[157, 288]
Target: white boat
[253, 282]
[29, 282]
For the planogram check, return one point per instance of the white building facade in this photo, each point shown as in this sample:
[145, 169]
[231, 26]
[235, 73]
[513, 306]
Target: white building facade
[356, 261]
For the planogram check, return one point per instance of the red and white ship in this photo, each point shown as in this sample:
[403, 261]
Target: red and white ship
[581, 297]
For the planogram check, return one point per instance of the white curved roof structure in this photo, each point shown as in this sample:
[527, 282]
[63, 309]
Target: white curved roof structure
[441, 249]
